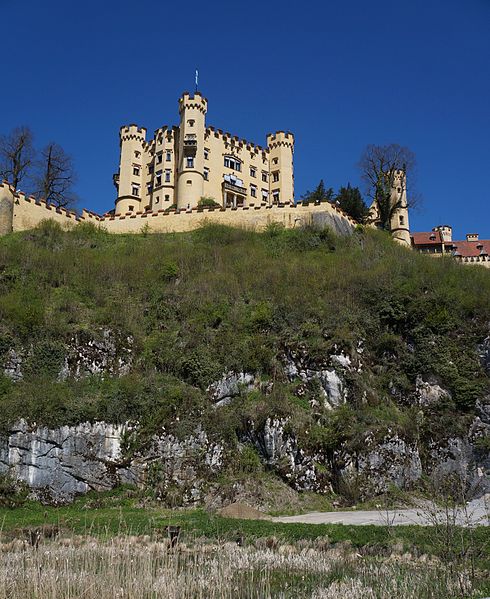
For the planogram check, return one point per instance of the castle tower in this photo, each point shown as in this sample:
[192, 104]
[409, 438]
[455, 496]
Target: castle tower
[129, 180]
[400, 229]
[281, 177]
[190, 185]
[6, 208]
[446, 232]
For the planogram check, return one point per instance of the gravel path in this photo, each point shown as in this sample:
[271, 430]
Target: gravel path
[476, 513]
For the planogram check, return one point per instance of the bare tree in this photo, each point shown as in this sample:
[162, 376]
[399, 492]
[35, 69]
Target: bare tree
[16, 155]
[379, 166]
[55, 177]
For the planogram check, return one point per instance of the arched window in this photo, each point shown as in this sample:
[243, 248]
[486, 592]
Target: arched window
[233, 163]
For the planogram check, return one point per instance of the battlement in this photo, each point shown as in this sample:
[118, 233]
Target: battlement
[133, 132]
[280, 138]
[234, 139]
[196, 101]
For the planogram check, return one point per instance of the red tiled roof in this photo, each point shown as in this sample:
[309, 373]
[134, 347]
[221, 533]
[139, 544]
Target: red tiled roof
[469, 249]
[427, 238]
[465, 249]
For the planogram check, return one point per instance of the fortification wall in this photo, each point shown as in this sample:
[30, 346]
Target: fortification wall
[20, 213]
[251, 217]
[28, 214]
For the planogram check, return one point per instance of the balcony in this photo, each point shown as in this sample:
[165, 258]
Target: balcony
[234, 188]
[190, 143]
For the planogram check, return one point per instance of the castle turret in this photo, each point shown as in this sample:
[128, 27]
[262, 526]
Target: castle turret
[190, 186]
[446, 232]
[400, 229]
[129, 179]
[281, 178]
[7, 193]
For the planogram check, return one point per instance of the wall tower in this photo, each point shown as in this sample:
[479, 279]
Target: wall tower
[129, 180]
[400, 228]
[190, 186]
[6, 208]
[281, 177]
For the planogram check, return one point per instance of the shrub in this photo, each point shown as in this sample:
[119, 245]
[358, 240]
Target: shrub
[206, 202]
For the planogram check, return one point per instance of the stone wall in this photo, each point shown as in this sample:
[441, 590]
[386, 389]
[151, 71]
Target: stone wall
[28, 213]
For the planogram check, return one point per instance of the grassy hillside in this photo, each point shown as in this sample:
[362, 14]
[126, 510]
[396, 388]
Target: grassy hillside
[200, 304]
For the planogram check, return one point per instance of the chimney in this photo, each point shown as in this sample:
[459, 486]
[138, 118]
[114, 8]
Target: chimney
[472, 237]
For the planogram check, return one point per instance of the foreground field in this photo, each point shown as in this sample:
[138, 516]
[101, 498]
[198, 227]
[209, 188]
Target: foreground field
[145, 567]
[114, 545]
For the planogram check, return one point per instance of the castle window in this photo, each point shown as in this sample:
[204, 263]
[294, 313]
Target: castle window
[253, 191]
[253, 171]
[264, 176]
[191, 122]
[275, 161]
[402, 220]
[206, 154]
[265, 194]
[190, 162]
[167, 175]
[159, 158]
[275, 176]
[206, 174]
[275, 196]
[167, 197]
[149, 187]
[136, 170]
[189, 182]
[158, 179]
[136, 190]
[137, 154]
[233, 163]
[157, 200]
[168, 156]
[151, 168]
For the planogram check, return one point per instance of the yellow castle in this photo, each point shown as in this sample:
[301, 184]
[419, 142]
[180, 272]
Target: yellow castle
[187, 175]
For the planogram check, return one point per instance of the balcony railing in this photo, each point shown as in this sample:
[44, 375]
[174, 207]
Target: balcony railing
[234, 188]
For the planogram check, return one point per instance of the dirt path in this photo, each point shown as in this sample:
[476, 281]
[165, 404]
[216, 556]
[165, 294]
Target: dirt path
[476, 513]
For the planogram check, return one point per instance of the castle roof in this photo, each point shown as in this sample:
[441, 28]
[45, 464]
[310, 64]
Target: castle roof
[427, 238]
[464, 248]
[472, 249]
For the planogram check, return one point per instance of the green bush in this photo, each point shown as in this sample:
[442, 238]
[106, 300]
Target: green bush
[206, 202]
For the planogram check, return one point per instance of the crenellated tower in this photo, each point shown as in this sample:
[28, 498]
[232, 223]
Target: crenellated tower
[400, 228]
[281, 178]
[129, 179]
[190, 185]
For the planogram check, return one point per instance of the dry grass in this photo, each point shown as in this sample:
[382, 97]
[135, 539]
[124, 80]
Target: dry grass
[142, 567]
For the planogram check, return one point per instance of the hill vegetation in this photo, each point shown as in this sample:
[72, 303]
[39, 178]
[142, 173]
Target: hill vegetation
[196, 306]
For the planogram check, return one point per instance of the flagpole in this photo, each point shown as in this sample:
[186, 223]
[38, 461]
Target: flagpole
[197, 79]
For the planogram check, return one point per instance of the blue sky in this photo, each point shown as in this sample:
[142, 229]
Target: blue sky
[340, 75]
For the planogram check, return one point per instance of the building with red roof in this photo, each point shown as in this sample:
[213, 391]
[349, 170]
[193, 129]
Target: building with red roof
[439, 242]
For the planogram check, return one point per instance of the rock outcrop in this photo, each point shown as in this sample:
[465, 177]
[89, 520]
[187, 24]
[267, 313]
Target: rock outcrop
[58, 464]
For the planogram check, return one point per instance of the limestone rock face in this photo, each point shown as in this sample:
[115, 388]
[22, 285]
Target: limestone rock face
[61, 463]
[390, 462]
[105, 353]
[429, 393]
[58, 464]
[280, 450]
[484, 351]
[101, 353]
[13, 365]
[230, 385]
[332, 385]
